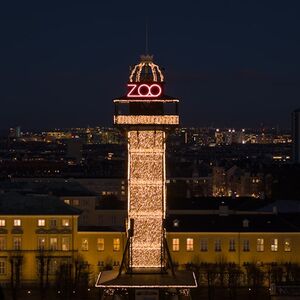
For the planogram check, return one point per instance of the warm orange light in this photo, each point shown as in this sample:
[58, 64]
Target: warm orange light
[146, 184]
[143, 119]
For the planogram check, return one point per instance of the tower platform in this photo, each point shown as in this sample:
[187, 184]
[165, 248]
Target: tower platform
[180, 280]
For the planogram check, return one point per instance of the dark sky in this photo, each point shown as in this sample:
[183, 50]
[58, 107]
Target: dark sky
[231, 63]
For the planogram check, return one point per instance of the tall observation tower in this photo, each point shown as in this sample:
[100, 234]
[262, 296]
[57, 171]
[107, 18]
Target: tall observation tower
[145, 115]
[145, 126]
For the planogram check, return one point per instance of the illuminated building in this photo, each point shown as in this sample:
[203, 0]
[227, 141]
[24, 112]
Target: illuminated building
[296, 135]
[36, 229]
[145, 115]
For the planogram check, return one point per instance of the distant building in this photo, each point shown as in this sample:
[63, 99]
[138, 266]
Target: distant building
[74, 149]
[15, 132]
[296, 135]
[101, 200]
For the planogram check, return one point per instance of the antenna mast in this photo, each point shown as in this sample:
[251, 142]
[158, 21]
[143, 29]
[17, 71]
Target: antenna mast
[146, 36]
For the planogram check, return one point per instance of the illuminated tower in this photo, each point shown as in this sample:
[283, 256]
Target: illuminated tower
[145, 115]
[145, 124]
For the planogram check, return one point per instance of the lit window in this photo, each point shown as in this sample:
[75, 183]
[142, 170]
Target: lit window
[67, 201]
[175, 244]
[116, 244]
[41, 222]
[100, 244]
[17, 222]
[231, 245]
[53, 243]
[65, 244]
[52, 223]
[287, 245]
[203, 245]
[41, 243]
[2, 223]
[17, 242]
[2, 243]
[274, 245]
[189, 244]
[246, 245]
[260, 245]
[65, 222]
[2, 267]
[84, 245]
[218, 245]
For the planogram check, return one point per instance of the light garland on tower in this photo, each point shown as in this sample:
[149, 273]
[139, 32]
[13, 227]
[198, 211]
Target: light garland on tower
[144, 120]
[137, 70]
[146, 190]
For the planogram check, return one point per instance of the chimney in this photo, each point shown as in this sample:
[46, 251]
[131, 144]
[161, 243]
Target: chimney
[245, 223]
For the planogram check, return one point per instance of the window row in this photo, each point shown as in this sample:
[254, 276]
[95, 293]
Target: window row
[100, 244]
[40, 222]
[52, 266]
[2, 267]
[54, 244]
[231, 246]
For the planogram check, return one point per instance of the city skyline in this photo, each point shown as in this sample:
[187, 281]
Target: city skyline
[236, 65]
[106, 193]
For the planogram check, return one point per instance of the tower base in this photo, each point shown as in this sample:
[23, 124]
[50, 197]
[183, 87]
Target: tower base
[150, 286]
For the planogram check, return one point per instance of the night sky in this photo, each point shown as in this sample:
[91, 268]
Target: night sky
[231, 63]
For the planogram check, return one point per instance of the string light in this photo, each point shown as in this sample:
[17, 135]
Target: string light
[143, 119]
[146, 177]
[179, 286]
[135, 75]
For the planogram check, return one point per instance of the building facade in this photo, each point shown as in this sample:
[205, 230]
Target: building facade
[39, 237]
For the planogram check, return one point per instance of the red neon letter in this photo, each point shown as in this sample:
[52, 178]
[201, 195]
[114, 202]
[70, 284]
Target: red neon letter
[144, 90]
[158, 91]
[133, 87]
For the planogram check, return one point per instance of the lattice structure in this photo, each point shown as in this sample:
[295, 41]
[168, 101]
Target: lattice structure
[146, 187]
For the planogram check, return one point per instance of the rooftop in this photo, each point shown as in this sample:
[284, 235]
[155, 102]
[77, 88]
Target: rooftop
[233, 223]
[17, 204]
[57, 188]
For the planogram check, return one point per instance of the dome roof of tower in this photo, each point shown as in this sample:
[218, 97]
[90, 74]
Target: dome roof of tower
[146, 71]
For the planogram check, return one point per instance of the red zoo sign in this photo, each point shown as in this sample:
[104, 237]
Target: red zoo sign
[144, 90]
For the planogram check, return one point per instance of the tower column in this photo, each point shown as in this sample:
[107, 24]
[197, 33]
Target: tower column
[146, 197]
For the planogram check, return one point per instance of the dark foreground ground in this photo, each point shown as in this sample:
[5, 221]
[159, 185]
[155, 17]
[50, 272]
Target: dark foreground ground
[93, 294]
